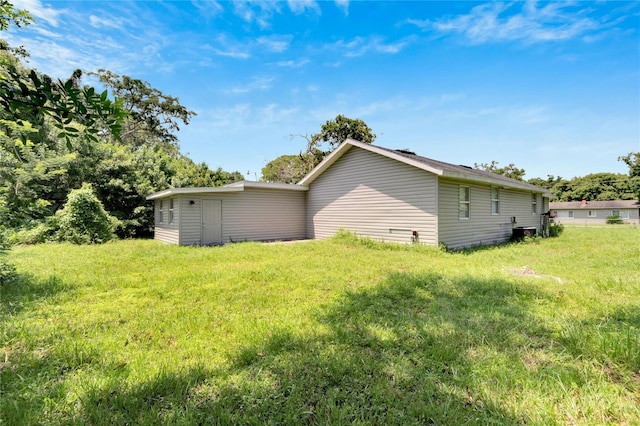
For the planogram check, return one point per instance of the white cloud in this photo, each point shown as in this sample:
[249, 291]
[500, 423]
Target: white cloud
[275, 43]
[300, 6]
[496, 22]
[343, 5]
[208, 7]
[360, 46]
[40, 11]
[258, 83]
[229, 48]
[293, 64]
[259, 12]
[231, 53]
[272, 113]
[105, 22]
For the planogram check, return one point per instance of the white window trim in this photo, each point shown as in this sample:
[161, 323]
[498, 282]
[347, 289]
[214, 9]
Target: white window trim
[467, 202]
[161, 212]
[171, 212]
[495, 201]
[534, 203]
[592, 213]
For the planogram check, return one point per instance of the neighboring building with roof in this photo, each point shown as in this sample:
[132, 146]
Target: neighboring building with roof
[385, 194]
[595, 212]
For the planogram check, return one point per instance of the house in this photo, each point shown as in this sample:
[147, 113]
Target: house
[595, 212]
[385, 194]
[240, 211]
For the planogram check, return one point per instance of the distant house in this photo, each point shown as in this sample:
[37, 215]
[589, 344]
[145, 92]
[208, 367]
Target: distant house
[595, 212]
[385, 194]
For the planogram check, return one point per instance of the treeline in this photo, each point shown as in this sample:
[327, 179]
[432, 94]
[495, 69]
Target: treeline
[56, 137]
[592, 187]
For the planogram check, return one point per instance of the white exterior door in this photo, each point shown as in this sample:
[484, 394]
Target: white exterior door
[211, 222]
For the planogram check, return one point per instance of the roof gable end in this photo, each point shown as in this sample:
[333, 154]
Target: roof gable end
[427, 164]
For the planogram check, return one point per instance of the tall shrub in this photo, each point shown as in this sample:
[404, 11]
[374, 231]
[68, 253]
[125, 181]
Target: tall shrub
[83, 220]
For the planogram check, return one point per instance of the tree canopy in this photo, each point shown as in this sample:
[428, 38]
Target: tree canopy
[510, 171]
[291, 168]
[56, 137]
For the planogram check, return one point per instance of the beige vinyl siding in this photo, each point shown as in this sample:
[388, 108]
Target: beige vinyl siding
[482, 227]
[263, 215]
[190, 219]
[250, 215]
[165, 232]
[370, 195]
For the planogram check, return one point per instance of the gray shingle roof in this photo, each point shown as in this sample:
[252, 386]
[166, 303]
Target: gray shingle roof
[464, 170]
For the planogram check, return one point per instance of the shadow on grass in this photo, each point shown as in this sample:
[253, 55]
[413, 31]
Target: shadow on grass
[24, 290]
[416, 349]
[24, 365]
[403, 352]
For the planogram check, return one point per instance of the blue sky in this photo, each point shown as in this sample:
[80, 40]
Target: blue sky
[553, 87]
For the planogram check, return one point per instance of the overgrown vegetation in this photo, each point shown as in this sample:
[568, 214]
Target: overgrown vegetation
[342, 331]
[57, 135]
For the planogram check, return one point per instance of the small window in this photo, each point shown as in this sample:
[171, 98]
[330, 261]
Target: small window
[171, 210]
[495, 200]
[592, 213]
[615, 213]
[534, 203]
[463, 202]
[161, 212]
[566, 214]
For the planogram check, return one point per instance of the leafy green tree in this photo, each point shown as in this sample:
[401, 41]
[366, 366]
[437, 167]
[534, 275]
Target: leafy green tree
[129, 151]
[336, 131]
[9, 15]
[592, 187]
[633, 161]
[83, 220]
[292, 168]
[285, 169]
[510, 171]
[152, 116]
[33, 96]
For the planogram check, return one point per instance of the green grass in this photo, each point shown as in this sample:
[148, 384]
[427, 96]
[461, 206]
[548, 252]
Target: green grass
[324, 332]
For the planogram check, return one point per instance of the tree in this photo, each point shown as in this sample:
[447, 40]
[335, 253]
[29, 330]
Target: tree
[285, 169]
[153, 117]
[632, 160]
[33, 96]
[336, 131]
[10, 15]
[292, 168]
[510, 171]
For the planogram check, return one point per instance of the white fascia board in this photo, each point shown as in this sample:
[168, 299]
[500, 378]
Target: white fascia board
[275, 185]
[179, 191]
[233, 187]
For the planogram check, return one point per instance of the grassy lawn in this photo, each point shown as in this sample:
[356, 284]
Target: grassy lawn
[340, 331]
